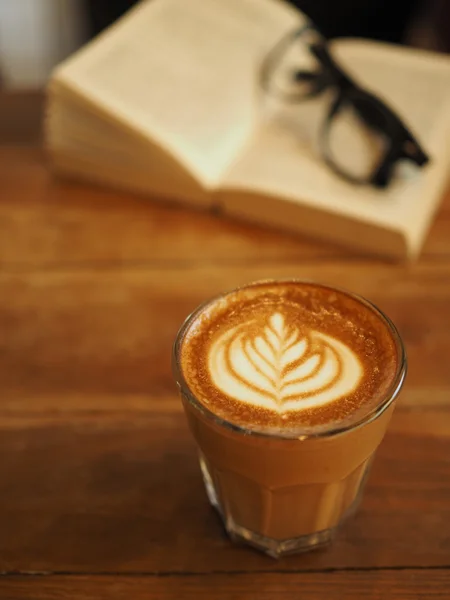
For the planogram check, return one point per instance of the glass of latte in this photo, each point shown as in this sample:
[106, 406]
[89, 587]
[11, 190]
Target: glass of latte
[288, 388]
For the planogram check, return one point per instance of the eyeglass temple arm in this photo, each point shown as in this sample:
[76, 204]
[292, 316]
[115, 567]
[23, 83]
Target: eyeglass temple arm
[409, 149]
[413, 151]
[274, 56]
[339, 76]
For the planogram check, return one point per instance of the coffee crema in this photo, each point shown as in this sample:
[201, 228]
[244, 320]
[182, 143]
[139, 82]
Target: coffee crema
[288, 355]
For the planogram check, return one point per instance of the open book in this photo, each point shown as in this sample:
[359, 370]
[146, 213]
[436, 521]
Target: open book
[166, 102]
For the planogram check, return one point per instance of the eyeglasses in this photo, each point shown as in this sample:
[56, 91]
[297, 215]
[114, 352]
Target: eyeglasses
[356, 118]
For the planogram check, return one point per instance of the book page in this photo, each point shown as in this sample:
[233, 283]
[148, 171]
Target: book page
[99, 145]
[182, 72]
[284, 160]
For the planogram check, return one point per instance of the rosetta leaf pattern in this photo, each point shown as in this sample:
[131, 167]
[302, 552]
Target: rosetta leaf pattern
[282, 366]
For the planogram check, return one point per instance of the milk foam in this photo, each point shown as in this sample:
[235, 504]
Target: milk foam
[275, 365]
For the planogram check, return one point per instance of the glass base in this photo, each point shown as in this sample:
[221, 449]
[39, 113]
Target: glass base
[270, 546]
[279, 548]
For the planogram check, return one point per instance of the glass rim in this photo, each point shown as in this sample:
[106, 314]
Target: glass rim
[298, 434]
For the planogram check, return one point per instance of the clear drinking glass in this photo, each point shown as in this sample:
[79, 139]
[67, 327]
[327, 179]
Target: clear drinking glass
[279, 493]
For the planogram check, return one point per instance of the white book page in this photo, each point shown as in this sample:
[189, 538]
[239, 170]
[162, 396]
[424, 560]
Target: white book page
[283, 158]
[183, 72]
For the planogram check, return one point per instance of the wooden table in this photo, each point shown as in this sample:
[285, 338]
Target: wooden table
[100, 493]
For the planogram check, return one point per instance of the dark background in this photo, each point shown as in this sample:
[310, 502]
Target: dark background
[378, 19]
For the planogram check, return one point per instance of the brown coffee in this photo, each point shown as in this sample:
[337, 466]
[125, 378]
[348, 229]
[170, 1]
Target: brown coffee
[285, 386]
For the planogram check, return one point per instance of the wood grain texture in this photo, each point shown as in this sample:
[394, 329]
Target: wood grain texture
[98, 473]
[110, 331]
[21, 114]
[377, 585]
[121, 492]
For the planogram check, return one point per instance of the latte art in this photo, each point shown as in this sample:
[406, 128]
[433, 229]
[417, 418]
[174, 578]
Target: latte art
[282, 367]
[287, 357]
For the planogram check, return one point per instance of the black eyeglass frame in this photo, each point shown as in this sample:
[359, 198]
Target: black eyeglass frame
[375, 114]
